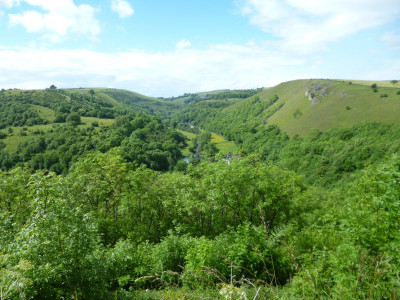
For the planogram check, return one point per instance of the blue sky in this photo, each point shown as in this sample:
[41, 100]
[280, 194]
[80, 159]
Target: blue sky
[169, 47]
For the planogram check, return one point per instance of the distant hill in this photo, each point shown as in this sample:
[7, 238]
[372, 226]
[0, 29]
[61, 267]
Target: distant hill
[52, 128]
[246, 117]
[325, 104]
[301, 105]
[149, 105]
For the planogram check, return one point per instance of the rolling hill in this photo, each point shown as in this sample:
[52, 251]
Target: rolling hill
[298, 107]
[97, 202]
[51, 129]
[335, 104]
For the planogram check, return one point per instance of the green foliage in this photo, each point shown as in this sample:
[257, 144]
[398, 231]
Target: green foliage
[149, 105]
[54, 243]
[297, 114]
[145, 139]
[74, 118]
[188, 98]
[169, 257]
[118, 223]
[327, 157]
[362, 261]
[220, 116]
[108, 228]
[245, 253]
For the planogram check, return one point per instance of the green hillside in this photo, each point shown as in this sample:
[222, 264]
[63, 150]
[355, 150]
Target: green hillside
[335, 104]
[381, 83]
[299, 106]
[98, 202]
[334, 131]
[51, 129]
[149, 105]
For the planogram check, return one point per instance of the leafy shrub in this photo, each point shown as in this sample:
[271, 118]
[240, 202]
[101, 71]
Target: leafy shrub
[241, 254]
[169, 257]
[128, 264]
[297, 114]
[74, 118]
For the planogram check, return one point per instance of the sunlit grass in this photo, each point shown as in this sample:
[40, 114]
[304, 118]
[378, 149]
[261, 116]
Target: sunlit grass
[343, 105]
[15, 138]
[87, 121]
[189, 135]
[44, 112]
[216, 138]
[384, 83]
[223, 145]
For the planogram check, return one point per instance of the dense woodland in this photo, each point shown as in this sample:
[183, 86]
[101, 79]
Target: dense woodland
[89, 211]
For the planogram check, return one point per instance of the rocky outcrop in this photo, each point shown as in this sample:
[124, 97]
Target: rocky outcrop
[316, 89]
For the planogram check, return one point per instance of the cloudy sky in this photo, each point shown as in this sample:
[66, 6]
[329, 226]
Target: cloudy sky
[169, 47]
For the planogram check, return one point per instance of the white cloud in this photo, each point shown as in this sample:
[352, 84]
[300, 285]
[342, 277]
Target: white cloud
[122, 7]
[182, 44]
[178, 71]
[306, 26]
[8, 3]
[155, 74]
[63, 19]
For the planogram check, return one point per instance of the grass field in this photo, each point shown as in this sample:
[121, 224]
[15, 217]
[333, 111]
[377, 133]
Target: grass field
[15, 138]
[190, 136]
[44, 112]
[342, 105]
[379, 83]
[87, 121]
[223, 145]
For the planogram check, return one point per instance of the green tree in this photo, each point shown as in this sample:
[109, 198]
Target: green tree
[55, 243]
[100, 189]
[74, 118]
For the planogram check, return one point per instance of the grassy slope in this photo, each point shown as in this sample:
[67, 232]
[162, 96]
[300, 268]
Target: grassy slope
[180, 100]
[148, 104]
[112, 96]
[381, 83]
[223, 145]
[343, 105]
[24, 133]
[44, 112]
[15, 138]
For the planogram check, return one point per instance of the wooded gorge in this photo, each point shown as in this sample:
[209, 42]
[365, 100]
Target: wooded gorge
[97, 202]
